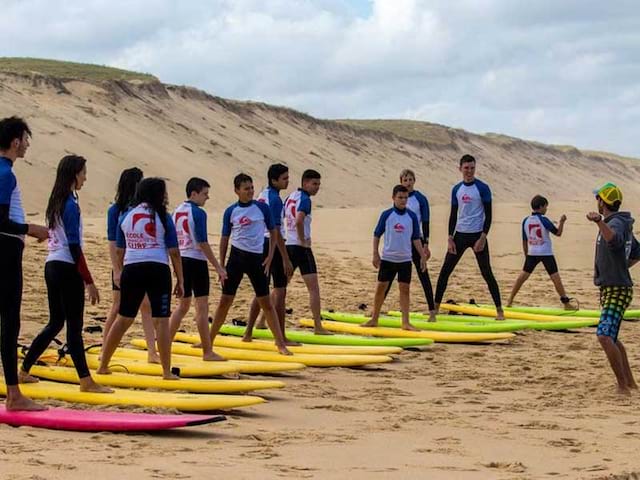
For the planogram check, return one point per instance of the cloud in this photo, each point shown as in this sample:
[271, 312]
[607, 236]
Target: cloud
[550, 71]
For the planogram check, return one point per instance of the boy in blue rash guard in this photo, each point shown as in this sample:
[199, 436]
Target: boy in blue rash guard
[281, 267]
[469, 224]
[419, 205]
[14, 142]
[66, 272]
[244, 225]
[401, 231]
[191, 227]
[617, 250]
[536, 244]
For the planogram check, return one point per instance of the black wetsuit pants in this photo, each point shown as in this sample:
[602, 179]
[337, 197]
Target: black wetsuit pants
[10, 301]
[464, 241]
[425, 281]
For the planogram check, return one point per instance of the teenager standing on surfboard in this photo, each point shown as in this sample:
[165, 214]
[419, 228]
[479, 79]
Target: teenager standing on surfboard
[146, 240]
[536, 244]
[66, 272]
[616, 251]
[127, 184]
[191, 226]
[469, 224]
[14, 142]
[401, 231]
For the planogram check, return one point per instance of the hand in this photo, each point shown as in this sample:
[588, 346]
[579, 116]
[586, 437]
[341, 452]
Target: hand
[288, 268]
[267, 264]
[480, 244]
[39, 232]
[563, 218]
[116, 277]
[178, 290]
[93, 294]
[594, 217]
[376, 260]
[423, 263]
[451, 246]
[306, 243]
[427, 252]
[222, 274]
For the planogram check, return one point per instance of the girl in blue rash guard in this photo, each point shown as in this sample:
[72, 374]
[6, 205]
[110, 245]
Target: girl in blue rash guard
[146, 239]
[66, 272]
[129, 180]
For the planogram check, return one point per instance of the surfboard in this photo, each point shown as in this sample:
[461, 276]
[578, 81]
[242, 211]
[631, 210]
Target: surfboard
[128, 380]
[234, 342]
[305, 358]
[305, 336]
[137, 398]
[491, 312]
[92, 421]
[631, 314]
[448, 337]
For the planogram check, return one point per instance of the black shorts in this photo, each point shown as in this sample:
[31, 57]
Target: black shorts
[277, 267]
[302, 258]
[240, 263]
[146, 278]
[549, 262]
[389, 270]
[196, 277]
[114, 287]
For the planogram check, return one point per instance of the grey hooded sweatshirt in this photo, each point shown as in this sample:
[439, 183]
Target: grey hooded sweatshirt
[612, 258]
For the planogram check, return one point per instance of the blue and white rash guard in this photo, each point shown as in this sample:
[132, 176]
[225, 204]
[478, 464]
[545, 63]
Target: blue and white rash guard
[191, 227]
[144, 237]
[67, 231]
[245, 223]
[419, 205]
[271, 197]
[535, 231]
[400, 228]
[298, 201]
[13, 224]
[472, 202]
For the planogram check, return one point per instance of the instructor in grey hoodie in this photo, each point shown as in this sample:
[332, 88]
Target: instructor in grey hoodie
[616, 251]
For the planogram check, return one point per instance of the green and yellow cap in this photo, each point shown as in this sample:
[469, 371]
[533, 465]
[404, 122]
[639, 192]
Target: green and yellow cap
[609, 193]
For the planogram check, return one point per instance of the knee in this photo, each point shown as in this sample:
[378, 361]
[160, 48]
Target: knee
[605, 340]
[124, 322]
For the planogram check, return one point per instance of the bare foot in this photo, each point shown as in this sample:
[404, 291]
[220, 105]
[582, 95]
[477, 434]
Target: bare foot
[291, 343]
[321, 331]
[24, 377]
[247, 338]
[24, 404]
[500, 315]
[410, 327]
[103, 371]
[213, 357]
[623, 391]
[93, 387]
[432, 317]
[282, 350]
[170, 376]
[153, 357]
[368, 324]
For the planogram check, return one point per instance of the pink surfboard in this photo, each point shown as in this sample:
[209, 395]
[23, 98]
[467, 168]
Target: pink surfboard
[93, 421]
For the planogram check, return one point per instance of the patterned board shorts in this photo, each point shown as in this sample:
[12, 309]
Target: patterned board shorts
[614, 302]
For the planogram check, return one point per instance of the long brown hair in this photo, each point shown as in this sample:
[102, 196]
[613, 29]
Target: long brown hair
[68, 168]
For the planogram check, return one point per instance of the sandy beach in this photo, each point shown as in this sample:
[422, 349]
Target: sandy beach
[539, 406]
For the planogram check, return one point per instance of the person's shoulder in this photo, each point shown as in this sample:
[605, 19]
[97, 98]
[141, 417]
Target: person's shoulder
[480, 184]
[387, 212]
[71, 203]
[113, 209]
[412, 215]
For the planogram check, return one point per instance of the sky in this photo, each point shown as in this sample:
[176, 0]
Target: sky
[561, 72]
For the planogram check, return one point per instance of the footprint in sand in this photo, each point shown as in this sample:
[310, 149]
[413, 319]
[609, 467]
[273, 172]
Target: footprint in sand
[513, 467]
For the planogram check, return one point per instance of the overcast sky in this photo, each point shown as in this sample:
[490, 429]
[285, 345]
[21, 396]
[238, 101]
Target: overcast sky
[557, 71]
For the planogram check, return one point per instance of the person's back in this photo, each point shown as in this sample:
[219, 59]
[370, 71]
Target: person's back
[536, 229]
[612, 257]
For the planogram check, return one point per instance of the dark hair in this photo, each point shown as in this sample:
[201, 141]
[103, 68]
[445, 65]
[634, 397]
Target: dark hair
[10, 129]
[275, 171]
[196, 184]
[68, 167]
[400, 188]
[152, 192]
[240, 179]
[538, 202]
[310, 175]
[466, 158]
[615, 207]
[129, 179]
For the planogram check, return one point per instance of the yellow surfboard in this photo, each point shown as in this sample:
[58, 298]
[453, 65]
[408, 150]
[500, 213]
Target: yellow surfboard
[308, 359]
[266, 346]
[188, 360]
[447, 337]
[128, 380]
[491, 312]
[135, 398]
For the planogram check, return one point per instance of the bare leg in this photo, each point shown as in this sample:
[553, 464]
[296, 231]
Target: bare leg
[116, 332]
[631, 383]
[87, 384]
[149, 331]
[254, 311]
[178, 315]
[378, 300]
[16, 401]
[272, 321]
[220, 316]
[313, 287]
[523, 277]
[615, 360]
[202, 322]
[278, 299]
[164, 347]
[557, 282]
[111, 317]
[404, 306]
